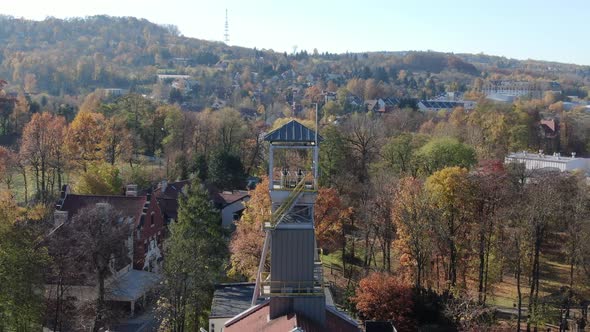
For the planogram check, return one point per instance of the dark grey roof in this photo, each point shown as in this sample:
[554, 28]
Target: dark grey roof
[293, 131]
[231, 299]
[441, 104]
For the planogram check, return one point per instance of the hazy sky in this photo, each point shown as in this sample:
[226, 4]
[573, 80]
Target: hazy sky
[522, 29]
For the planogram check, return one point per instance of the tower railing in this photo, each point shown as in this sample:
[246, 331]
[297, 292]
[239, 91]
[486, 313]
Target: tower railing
[271, 288]
[288, 180]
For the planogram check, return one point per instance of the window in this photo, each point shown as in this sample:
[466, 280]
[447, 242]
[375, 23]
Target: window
[152, 216]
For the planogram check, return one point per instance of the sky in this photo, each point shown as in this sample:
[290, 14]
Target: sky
[521, 29]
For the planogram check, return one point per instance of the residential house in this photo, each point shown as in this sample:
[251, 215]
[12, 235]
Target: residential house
[374, 105]
[549, 134]
[540, 161]
[114, 92]
[229, 203]
[218, 104]
[436, 105]
[172, 77]
[125, 284]
[148, 229]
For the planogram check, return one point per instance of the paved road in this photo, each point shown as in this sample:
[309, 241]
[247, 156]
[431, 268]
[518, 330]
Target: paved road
[145, 322]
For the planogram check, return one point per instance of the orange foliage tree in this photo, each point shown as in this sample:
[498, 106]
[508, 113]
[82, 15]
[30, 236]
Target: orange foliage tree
[330, 216]
[42, 150]
[247, 240]
[382, 297]
[412, 217]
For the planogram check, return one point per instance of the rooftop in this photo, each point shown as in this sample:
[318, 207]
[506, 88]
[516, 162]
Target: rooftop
[541, 157]
[130, 206]
[292, 131]
[230, 300]
[256, 319]
[132, 285]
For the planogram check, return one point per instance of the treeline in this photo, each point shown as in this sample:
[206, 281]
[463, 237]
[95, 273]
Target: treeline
[436, 209]
[109, 142]
[77, 55]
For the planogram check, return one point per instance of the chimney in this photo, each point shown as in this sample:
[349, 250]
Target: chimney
[131, 190]
[59, 218]
[65, 190]
[164, 185]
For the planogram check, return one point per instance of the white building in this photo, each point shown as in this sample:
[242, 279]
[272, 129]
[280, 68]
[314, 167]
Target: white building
[533, 161]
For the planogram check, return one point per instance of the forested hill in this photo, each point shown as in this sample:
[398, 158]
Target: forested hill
[97, 51]
[75, 56]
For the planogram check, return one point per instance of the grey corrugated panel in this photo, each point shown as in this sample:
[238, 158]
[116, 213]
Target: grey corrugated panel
[312, 307]
[292, 256]
[292, 131]
[280, 306]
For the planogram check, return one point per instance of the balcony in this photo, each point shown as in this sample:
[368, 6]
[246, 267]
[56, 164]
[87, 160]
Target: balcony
[270, 288]
[315, 287]
[288, 180]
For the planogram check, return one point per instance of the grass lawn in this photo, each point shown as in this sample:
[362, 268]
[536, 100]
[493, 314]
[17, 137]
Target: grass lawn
[152, 171]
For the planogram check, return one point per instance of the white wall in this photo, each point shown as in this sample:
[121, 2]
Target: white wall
[218, 323]
[227, 213]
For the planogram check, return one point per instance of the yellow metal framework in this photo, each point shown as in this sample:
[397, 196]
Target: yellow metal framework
[288, 203]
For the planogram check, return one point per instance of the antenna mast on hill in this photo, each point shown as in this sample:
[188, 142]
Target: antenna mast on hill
[226, 33]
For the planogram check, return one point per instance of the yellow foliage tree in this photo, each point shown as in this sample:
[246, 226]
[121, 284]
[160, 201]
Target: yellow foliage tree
[84, 138]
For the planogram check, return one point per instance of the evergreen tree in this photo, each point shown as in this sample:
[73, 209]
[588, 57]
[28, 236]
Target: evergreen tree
[226, 171]
[195, 259]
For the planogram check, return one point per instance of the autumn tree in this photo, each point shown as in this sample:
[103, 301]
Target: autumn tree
[330, 218]
[62, 275]
[383, 188]
[445, 152]
[7, 165]
[41, 148]
[92, 101]
[117, 142]
[490, 192]
[84, 138]
[21, 113]
[100, 236]
[99, 179]
[178, 127]
[412, 216]
[383, 297]
[363, 134]
[449, 194]
[247, 240]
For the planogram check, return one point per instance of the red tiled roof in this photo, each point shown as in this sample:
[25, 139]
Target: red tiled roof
[256, 319]
[229, 197]
[130, 206]
[549, 124]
